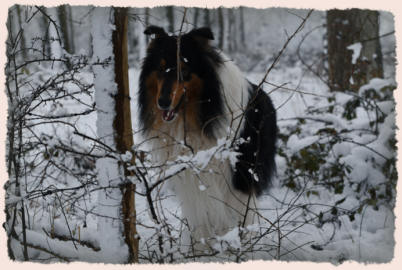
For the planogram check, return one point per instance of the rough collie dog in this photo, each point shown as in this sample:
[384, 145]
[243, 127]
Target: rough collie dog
[191, 99]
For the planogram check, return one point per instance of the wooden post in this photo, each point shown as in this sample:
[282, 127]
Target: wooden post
[123, 129]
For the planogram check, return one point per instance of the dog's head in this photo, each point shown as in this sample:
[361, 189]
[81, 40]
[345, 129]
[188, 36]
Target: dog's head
[176, 68]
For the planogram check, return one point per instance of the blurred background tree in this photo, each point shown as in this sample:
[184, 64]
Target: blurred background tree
[353, 31]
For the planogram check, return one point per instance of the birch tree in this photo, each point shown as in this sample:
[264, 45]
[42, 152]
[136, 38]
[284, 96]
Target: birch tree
[117, 235]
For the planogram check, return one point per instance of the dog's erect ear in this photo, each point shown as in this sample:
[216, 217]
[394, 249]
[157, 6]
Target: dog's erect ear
[202, 35]
[156, 30]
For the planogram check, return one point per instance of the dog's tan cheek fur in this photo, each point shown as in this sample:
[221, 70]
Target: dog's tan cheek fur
[192, 103]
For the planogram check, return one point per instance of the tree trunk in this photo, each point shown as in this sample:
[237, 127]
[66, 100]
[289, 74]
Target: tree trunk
[207, 19]
[123, 129]
[170, 17]
[62, 14]
[345, 28]
[56, 49]
[22, 41]
[71, 29]
[232, 35]
[221, 28]
[44, 26]
[147, 11]
[195, 20]
[242, 31]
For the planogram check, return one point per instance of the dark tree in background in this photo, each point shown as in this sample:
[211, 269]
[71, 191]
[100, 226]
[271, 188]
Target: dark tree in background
[347, 27]
[23, 42]
[146, 22]
[170, 17]
[65, 20]
[232, 44]
[221, 28]
[44, 25]
[242, 31]
[195, 18]
[207, 19]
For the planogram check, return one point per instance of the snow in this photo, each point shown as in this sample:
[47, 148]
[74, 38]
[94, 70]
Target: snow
[231, 238]
[341, 149]
[377, 84]
[296, 144]
[356, 48]
[126, 157]
[104, 76]
[12, 199]
[202, 158]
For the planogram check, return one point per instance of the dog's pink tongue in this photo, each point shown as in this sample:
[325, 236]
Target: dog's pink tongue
[168, 115]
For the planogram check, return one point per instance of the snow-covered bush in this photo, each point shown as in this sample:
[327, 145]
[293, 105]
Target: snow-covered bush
[344, 149]
[51, 145]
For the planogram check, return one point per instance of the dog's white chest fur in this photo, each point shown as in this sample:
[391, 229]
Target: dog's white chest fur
[207, 198]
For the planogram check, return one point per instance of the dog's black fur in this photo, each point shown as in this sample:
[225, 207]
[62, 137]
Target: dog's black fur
[258, 152]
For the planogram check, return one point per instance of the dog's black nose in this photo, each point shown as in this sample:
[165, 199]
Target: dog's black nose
[163, 103]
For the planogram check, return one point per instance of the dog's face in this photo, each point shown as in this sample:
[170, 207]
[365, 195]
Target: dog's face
[175, 78]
